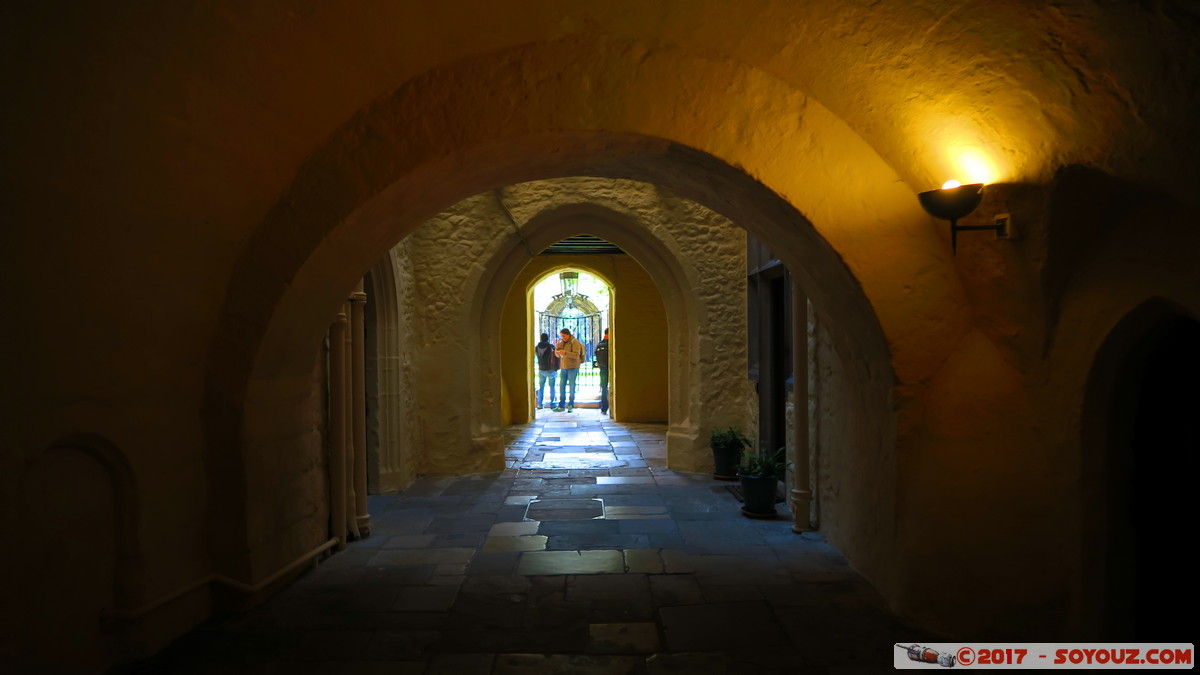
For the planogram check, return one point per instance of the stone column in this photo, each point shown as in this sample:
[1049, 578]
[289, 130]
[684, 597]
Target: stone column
[358, 300]
[337, 428]
[348, 429]
[800, 496]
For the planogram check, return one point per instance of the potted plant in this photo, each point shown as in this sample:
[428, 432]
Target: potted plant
[727, 444]
[759, 476]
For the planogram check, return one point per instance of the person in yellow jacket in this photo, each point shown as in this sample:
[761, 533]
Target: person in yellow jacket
[571, 353]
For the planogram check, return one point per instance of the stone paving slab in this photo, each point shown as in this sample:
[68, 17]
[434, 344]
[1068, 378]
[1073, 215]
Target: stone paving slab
[553, 664]
[390, 558]
[501, 562]
[595, 526]
[713, 627]
[624, 480]
[581, 542]
[571, 562]
[643, 561]
[658, 573]
[460, 664]
[513, 529]
[520, 543]
[623, 638]
[617, 511]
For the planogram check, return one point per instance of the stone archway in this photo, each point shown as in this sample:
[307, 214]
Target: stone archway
[686, 448]
[382, 175]
[519, 363]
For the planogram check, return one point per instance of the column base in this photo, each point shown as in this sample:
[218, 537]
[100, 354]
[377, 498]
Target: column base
[800, 502]
[683, 452]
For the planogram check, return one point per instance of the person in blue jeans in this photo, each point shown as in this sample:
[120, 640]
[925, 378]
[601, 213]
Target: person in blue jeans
[570, 354]
[547, 368]
[601, 355]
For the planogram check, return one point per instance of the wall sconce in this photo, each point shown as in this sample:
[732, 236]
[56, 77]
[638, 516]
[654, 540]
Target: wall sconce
[956, 201]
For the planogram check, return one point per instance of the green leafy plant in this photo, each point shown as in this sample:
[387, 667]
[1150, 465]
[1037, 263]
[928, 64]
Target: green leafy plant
[765, 464]
[728, 438]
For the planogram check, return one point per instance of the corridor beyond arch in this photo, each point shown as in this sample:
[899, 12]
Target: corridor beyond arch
[669, 278]
[640, 393]
[365, 191]
[646, 380]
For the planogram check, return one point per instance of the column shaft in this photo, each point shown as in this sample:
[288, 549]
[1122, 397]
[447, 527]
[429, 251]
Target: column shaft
[337, 428]
[800, 497]
[351, 501]
[358, 300]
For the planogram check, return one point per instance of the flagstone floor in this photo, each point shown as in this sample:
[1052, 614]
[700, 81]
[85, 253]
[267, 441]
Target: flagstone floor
[586, 555]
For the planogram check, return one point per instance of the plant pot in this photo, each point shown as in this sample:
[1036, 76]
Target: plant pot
[758, 495]
[725, 463]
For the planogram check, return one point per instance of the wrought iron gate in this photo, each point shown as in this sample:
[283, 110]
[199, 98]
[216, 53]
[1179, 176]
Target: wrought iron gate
[575, 312]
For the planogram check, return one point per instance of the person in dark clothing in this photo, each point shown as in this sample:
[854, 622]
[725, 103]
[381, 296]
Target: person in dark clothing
[547, 368]
[601, 355]
[571, 354]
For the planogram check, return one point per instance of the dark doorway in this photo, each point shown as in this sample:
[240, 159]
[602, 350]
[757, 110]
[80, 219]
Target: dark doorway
[770, 354]
[1153, 435]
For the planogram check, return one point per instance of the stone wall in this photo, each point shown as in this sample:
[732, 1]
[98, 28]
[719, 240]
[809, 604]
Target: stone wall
[451, 256]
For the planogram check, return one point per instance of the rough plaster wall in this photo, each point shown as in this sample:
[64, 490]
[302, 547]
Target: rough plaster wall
[444, 256]
[295, 517]
[750, 412]
[713, 251]
[640, 353]
[447, 255]
[717, 249]
[854, 469]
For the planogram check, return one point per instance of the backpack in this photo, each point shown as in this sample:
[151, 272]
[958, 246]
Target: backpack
[602, 354]
[543, 357]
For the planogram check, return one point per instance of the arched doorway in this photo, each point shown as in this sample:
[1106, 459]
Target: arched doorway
[335, 220]
[580, 302]
[653, 285]
[640, 385]
[1141, 436]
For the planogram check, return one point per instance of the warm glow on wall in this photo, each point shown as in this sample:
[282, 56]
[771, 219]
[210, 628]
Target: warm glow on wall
[962, 147]
[972, 165]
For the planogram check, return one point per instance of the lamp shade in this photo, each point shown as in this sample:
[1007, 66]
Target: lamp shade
[952, 203]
